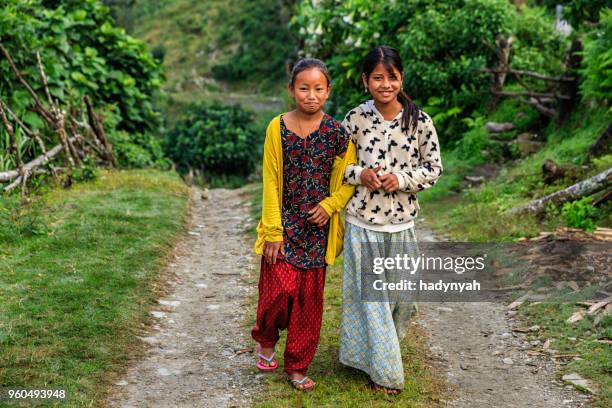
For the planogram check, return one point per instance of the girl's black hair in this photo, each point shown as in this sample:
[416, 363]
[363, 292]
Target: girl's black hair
[307, 63]
[390, 58]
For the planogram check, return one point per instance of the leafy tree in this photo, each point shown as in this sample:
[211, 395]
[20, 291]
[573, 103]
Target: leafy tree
[597, 61]
[442, 44]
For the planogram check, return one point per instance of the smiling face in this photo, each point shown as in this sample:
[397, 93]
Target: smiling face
[310, 90]
[384, 85]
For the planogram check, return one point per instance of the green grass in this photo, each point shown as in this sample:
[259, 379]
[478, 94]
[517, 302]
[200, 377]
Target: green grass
[75, 289]
[596, 358]
[337, 385]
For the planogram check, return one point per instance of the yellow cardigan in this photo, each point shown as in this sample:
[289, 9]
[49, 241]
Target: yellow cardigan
[270, 226]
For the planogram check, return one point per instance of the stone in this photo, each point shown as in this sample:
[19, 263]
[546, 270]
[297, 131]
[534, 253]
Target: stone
[172, 303]
[164, 372]
[148, 340]
[577, 381]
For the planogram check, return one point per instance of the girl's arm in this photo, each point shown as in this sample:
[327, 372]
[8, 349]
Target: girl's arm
[430, 163]
[337, 200]
[271, 207]
[353, 171]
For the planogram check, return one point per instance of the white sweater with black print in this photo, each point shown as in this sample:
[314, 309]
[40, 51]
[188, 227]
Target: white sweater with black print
[413, 156]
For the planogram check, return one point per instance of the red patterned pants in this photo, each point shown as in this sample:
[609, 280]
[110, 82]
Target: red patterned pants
[290, 298]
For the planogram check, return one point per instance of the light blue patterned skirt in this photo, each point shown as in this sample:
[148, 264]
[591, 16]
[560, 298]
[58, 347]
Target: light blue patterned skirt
[370, 332]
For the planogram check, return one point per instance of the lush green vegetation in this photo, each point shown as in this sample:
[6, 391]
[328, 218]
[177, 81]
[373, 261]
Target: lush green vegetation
[83, 54]
[480, 214]
[77, 273]
[577, 12]
[442, 44]
[598, 60]
[207, 47]
[184, 34]
[253, 61]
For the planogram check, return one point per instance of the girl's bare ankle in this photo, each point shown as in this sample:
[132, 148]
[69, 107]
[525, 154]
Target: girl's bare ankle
[267, 351]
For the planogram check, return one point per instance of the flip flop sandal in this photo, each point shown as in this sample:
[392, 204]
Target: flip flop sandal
[272, 363]
[297, 383]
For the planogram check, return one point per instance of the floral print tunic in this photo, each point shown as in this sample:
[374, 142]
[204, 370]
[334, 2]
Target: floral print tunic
[307, 166]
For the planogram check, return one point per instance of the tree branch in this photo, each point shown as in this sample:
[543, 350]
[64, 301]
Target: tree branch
[42, 110]
[532, 94]
[584, 188]
[530, 74]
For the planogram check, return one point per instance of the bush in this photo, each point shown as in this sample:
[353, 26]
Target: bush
[216, 139]
[597, 61]
[136, 149]
[580, 214]
[537, 46]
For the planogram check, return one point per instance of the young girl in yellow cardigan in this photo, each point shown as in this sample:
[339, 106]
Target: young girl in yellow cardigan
[305, 155]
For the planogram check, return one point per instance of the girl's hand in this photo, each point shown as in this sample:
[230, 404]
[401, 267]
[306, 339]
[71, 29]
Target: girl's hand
[318, 216]
[369, 178]
[389, 182]
[271, 250]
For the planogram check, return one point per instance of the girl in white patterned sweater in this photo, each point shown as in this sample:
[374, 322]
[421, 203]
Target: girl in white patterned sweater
[398, 156]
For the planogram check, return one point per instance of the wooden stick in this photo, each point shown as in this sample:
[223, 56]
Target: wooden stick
[44, 78]
[539, 107]
[530, 74]
[11, 131]
[40, 160]
[602, 145]
[98, 130]
[532, 94]
[40, 107]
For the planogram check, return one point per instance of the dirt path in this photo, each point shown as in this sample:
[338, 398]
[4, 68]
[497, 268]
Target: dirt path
[192, 360]
[485, 362]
